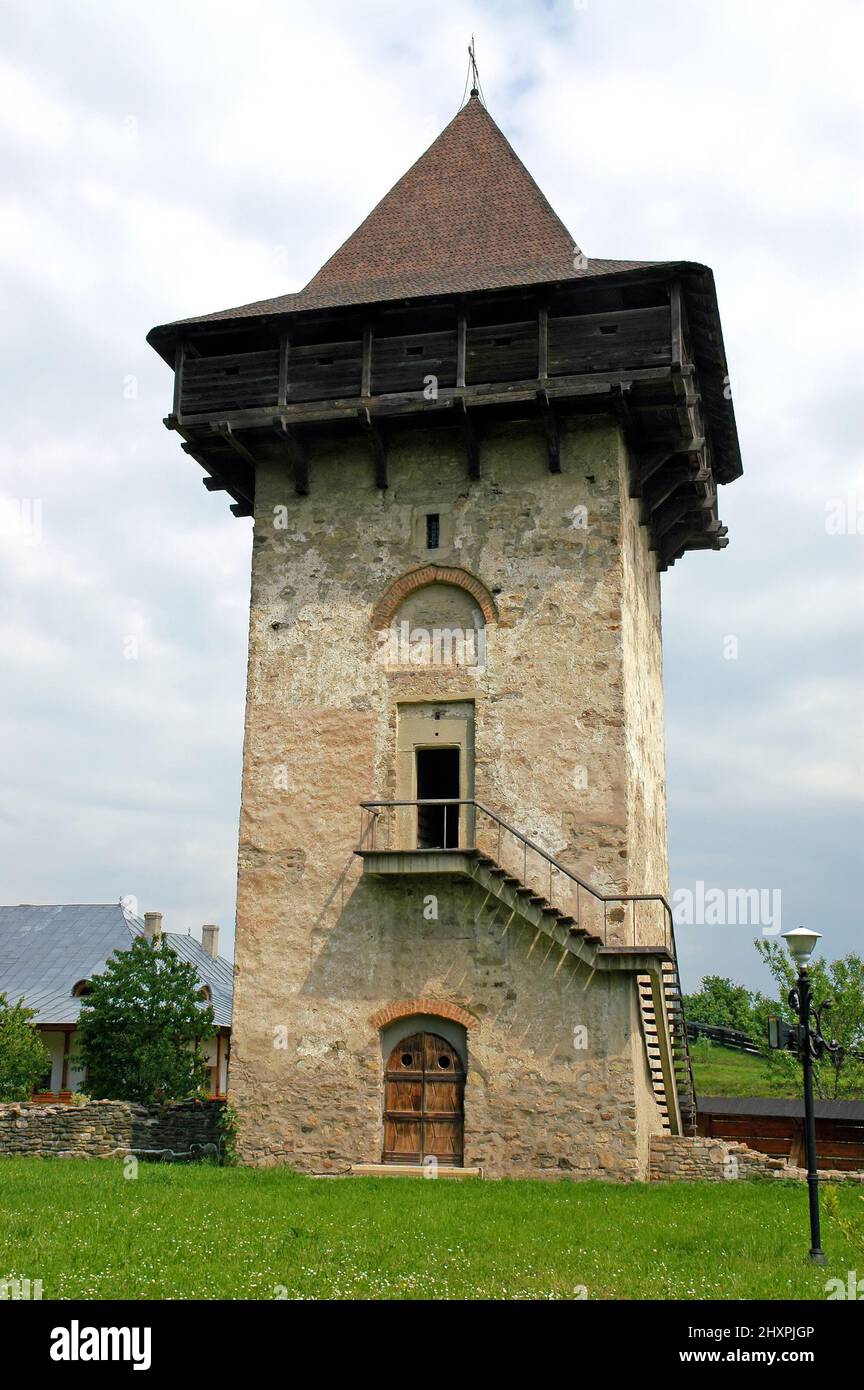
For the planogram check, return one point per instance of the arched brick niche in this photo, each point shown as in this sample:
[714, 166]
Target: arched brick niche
[407, 1008]
[388, 605]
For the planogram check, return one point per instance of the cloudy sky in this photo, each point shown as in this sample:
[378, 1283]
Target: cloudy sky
[168, 159]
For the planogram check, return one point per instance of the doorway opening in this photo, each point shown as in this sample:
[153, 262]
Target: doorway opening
[424, 1083]
[438, 779]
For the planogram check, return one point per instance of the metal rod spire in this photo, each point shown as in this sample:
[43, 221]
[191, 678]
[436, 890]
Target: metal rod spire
[475, 76]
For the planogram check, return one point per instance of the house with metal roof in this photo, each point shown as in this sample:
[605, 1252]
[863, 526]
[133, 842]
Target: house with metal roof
[50, 953]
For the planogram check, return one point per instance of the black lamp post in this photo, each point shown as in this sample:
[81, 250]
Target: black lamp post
[810, 1045]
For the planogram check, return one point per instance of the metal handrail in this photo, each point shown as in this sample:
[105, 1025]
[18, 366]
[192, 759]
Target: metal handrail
[374, 809]
[375, 806]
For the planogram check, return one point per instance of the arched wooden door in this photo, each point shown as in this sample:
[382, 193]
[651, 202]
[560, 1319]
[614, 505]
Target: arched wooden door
[424, 1086]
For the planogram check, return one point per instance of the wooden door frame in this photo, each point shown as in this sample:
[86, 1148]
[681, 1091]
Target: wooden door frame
[416, 731]
[421, 1117]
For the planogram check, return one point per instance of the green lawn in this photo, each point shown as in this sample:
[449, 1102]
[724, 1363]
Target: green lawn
[197, 1232]
[719, 1071]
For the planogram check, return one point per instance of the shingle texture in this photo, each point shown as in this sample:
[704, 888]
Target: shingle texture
[466, 216]
[46, 950]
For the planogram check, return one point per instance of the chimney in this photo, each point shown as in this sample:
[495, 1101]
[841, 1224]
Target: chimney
[153, 926]
[210, 939]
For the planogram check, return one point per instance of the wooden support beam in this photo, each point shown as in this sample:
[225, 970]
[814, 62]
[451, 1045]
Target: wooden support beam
[293, 440]
[550, 425]
[619, 400]
[650, 407]
[470, 438]
[584, 385]
[670, 515]
[677, 316]
[227, 478]
[692, 535]
[179, 357]
[461, 350]
[543, 344]
[664, 485]
[374, 433]
[366, 370]
[645, 463]
[225, 482]
[284, 353]
[226, 431]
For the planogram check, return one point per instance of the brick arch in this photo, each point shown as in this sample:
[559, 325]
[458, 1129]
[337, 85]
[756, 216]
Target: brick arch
[440, 1008]
[388, 605]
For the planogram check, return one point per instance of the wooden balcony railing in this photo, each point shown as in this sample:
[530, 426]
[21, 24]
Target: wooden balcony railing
[369, 365]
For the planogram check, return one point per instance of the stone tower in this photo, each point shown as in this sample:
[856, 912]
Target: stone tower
[469, 452]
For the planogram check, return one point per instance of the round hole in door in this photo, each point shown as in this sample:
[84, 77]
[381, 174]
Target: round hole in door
[407, 1059]
[443, 1061]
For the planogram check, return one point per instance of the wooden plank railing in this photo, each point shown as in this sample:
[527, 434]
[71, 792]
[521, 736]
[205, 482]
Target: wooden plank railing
[466, 355]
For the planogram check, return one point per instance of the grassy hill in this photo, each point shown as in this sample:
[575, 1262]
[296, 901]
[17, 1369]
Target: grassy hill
[720, 1071]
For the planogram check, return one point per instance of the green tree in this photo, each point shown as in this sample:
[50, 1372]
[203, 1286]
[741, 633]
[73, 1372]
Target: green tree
[721, 1003]
[23, 1055]
[141, 1025]
[841, 981]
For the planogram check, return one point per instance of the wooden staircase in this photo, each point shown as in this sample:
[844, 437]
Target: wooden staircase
[671, 1018]
[504, 888]
[684, 1082]
[588, 926]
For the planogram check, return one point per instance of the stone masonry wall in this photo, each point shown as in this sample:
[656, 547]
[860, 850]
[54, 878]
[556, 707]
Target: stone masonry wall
[535, 1104]
[644, 728]
[700, 1159]
[110, 1129]
[320, 947]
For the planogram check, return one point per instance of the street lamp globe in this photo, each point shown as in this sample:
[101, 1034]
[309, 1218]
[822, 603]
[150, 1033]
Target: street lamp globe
[800, 942]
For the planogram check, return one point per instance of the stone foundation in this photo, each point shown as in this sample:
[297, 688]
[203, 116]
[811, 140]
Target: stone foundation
[699, 1159]
[111, 1129]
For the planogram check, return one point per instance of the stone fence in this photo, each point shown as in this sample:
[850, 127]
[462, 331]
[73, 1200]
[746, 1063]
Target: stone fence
[112, 1129]
[677, 1158]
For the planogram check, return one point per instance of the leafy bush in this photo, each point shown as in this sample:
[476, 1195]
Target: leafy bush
[24, 1057]
[141, 1025]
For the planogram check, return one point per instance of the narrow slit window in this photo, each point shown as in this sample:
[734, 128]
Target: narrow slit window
[433, 530]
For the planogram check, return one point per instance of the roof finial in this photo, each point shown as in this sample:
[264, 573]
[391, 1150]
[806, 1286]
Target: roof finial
[475, 76]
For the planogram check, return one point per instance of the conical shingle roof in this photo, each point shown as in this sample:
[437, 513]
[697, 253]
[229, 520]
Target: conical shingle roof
[466, 216]
[467, 213]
